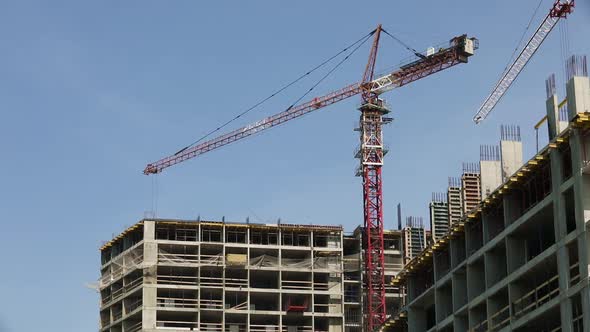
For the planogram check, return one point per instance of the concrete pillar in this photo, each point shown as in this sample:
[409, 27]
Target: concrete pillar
[553, 123]
[416, 319]
[560, 229]
[578, 101]
[454, 200]
[490, 169]
[578, 95]
[150, 258]
[517, 249]
[460, 323]
[510, 150]
[439, 215]
[459, 289]
[582, 213]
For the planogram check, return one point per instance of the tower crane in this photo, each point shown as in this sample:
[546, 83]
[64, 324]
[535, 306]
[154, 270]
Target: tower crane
[370, 152]
[560, 9]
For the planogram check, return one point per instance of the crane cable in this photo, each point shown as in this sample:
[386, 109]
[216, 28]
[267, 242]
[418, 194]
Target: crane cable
[361, 40]
[528, 26]
[564, 46]
[328, 73]
[416, 53]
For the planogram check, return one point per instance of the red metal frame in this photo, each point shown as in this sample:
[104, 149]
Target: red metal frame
[562, 9]
[370, 68]
[374, 258]
[371, 163]
[369, 87]
[271, 121]
[296, 307]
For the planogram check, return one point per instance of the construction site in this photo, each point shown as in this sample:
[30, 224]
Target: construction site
[505, 248]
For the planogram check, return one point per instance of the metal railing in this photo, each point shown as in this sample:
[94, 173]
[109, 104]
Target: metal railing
[536, 297]
[177, 324]
[121, 270]
[574, 274]
[500, 319]
[296, 284]
[211, 281]
[129, 308]
[134, 328]
[263, 328]
[178, 258]
[210, 304]
[211, 327]
[241, 327]
[304, 328]
[174, 302]
[117, 314]
[480, 327]
[236, 282]
[177, 280]
[115, 295]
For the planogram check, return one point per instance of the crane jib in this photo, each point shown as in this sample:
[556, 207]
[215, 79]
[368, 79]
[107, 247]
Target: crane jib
[559, 10]
[459, 50]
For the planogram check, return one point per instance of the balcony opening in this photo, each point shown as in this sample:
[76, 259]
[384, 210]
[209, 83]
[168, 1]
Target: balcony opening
[570, 210]
[264, 236]
[566, 162]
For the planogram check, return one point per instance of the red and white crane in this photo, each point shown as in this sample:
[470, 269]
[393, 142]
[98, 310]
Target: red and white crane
[559, 10]
[371, 149]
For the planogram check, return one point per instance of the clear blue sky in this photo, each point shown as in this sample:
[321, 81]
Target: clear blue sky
[89, 93]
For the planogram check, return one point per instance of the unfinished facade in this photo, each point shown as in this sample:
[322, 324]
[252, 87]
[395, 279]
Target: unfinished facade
[414, 236]
[470, 187]
[439, 215]
[217, 277]
[238, 277]
[354, 295]
[455, 200]
[518, 261]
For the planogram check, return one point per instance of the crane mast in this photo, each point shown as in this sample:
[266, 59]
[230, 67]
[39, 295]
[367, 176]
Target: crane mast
[371, 154]
[559, 10]
[371, 150]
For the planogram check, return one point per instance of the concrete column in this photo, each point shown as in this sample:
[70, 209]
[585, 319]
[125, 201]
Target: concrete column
[459, 289]
[491, 176]
[578, 95]
[553, 124]
[578, 100]
[150, 259]
[517, 249]
[510, 150]
[581, 197]
[475, 280]
[454, 200]
[559, 217]
[460, 323]
[416, 320]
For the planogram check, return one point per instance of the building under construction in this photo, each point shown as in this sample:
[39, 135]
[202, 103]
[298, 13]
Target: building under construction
[511, 252]
[518, 260]
[238, 277]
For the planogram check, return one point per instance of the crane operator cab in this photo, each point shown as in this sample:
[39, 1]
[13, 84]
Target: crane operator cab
[465, 46]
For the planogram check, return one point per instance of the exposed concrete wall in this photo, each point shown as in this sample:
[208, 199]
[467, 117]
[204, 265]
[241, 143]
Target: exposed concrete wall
[553, 123]
[578, 95]
[491, 176]
[150, 259]
[439, 218]
[511, 152]
[454, 200]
